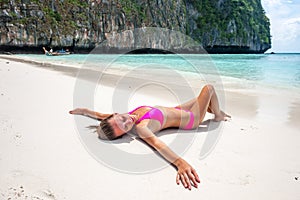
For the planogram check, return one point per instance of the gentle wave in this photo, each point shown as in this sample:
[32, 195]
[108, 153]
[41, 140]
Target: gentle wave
[272, 70]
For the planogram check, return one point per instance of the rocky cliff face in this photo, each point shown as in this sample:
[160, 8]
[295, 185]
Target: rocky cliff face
[225, 26]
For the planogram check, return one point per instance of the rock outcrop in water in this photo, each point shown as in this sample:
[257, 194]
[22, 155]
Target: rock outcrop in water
[220, 26]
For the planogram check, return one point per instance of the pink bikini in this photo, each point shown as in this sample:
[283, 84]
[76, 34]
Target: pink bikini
[156, 114]
[192, 119]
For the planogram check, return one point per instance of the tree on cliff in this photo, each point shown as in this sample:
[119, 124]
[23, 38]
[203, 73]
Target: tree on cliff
[223, 24]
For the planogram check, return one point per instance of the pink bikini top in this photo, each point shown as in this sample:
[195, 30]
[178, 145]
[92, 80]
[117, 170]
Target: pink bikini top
[156, 114]
[153, 113]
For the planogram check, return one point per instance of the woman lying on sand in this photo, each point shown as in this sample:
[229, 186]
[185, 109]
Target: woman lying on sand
[147, 121]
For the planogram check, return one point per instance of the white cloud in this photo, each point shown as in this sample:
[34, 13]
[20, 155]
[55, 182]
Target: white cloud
[277, 8]
[293, 28]
[288, 30]
[276, 2]
[271, 2]
[285, 24]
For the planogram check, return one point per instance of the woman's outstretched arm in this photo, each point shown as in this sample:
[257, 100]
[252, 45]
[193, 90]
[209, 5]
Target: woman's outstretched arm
[89, 113]
[186, 174]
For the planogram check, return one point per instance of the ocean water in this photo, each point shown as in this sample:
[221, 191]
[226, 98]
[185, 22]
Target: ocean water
[281, 71]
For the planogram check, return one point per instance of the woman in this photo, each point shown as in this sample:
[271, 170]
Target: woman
[148, 120]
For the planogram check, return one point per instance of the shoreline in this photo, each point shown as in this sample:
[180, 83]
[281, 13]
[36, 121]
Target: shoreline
[231, 83]
[236, 92]
[216, 49]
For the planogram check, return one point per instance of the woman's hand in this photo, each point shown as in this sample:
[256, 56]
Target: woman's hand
[78, 111]
[186, 174]
[89, 113]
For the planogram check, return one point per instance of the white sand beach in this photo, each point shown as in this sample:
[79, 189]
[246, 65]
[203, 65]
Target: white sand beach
[42, 155]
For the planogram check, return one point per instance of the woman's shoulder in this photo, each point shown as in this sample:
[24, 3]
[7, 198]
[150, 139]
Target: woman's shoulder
[143, 130]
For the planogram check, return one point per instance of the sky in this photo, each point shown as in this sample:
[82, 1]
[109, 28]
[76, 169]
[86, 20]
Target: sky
[284, 17]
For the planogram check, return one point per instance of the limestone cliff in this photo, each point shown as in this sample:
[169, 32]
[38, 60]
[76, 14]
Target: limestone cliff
[221, 26]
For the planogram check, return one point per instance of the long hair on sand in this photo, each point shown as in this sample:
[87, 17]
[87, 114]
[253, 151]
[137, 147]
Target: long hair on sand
[105, 131]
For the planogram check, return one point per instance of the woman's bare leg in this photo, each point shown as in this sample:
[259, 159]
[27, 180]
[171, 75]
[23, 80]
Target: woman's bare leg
[208, 101]
[187, 105]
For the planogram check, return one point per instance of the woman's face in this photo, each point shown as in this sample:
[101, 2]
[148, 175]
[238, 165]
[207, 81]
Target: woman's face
[122, 123]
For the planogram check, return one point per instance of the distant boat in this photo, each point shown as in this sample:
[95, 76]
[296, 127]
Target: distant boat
[56, 53]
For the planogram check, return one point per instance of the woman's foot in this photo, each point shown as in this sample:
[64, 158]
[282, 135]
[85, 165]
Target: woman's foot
[221, 117]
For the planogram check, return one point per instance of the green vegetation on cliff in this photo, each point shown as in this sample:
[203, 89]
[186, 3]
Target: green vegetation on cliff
[85, 23]
[230, 21]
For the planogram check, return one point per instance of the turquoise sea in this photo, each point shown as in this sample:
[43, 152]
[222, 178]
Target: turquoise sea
[280, 70]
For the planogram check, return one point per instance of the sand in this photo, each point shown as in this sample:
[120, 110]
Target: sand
[43, 154]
